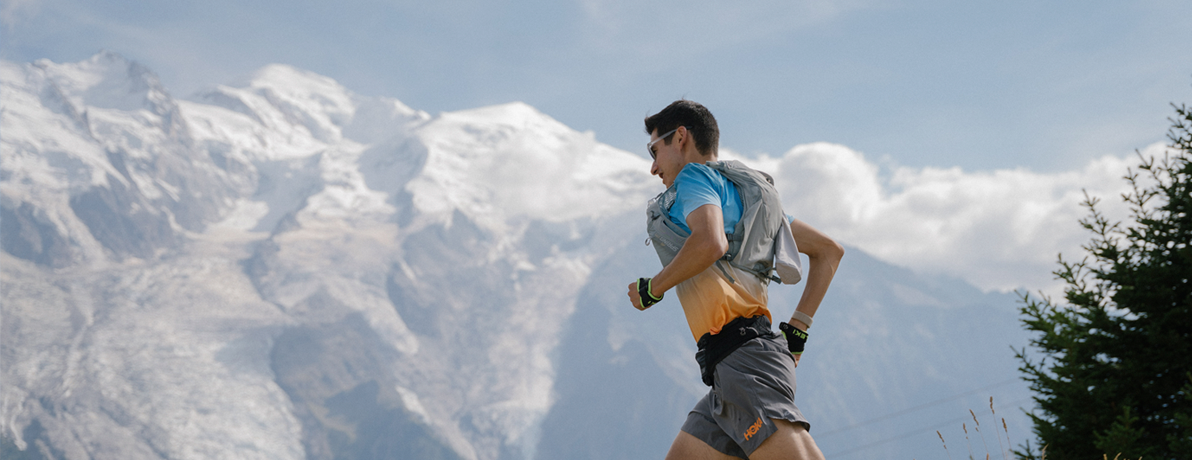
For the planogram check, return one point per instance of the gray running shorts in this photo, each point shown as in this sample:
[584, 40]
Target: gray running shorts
[753, 385]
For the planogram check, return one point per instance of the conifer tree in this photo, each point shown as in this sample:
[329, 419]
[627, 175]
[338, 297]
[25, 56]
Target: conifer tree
[1111, 367]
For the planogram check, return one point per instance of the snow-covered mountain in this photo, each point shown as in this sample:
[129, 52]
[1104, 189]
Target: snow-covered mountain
[280, 268]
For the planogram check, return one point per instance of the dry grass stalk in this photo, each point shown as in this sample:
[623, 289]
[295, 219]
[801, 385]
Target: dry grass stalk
[1005, 430]
[978, 428]
[968, 443]
[999, 438]
[945, 444]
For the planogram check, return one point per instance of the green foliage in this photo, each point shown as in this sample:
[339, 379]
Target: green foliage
[1124, 436]
[1181, 441]
[1110, 367]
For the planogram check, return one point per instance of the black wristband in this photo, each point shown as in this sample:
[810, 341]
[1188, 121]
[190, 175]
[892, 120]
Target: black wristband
[643, 291]
[795, 339]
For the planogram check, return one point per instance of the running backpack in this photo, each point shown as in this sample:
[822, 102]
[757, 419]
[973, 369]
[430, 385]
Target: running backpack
[761, 243]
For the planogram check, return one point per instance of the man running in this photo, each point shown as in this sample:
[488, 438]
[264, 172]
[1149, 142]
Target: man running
[749, 412]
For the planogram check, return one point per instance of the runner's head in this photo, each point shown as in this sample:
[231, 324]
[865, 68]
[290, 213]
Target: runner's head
[698, 120]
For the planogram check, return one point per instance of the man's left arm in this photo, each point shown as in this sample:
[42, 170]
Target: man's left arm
[823, 257]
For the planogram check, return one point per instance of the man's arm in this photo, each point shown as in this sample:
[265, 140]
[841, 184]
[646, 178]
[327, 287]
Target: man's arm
[823, 257]
[704, 247]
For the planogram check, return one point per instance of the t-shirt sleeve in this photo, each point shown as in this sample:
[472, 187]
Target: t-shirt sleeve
[695, 189]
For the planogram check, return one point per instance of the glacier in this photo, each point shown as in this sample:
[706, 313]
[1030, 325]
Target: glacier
[280, 268]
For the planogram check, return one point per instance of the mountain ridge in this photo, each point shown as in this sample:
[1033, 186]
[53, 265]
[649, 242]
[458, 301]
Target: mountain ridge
[281, 268]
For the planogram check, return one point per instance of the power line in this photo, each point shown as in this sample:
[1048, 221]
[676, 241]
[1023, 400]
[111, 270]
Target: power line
[921, 406]
[918, 431]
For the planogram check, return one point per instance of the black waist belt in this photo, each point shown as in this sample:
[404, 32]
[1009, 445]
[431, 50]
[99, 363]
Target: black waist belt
[713, 348]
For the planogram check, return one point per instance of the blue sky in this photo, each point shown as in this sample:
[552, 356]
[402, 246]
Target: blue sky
[1043, 85]
[971, 131]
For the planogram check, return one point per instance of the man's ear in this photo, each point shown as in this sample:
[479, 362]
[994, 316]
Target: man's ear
[687, 141]
[682, 135]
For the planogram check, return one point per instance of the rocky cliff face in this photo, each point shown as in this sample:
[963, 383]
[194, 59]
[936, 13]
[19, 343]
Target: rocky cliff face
[280, 268]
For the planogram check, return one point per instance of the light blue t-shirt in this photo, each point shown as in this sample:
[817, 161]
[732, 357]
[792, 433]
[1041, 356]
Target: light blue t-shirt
[697, 185]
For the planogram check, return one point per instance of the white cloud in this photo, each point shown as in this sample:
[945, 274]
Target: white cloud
[998, 230]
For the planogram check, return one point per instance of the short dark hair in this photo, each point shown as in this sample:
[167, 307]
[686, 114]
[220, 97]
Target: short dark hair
[698, 120]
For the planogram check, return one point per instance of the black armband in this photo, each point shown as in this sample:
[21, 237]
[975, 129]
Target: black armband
[643, 291]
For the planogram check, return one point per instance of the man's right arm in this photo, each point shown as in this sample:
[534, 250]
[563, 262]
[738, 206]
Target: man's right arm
[704, 247]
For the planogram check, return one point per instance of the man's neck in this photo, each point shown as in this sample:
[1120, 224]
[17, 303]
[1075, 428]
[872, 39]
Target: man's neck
[696, 157]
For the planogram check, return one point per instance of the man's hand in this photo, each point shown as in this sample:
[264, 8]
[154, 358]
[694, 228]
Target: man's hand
[634, 297]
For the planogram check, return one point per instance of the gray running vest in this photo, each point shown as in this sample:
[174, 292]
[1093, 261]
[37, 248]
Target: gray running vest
[761, 243]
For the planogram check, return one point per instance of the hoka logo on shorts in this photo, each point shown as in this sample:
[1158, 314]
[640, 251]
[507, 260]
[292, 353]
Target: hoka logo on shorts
[753, 429]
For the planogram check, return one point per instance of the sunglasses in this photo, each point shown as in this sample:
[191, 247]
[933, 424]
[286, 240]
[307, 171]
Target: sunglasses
[650, 145]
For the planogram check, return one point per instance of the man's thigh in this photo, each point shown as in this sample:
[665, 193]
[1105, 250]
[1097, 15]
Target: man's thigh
[688, 447]
[791, 441]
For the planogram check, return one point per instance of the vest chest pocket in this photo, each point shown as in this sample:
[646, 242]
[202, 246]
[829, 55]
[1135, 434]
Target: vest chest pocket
[666, 236]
